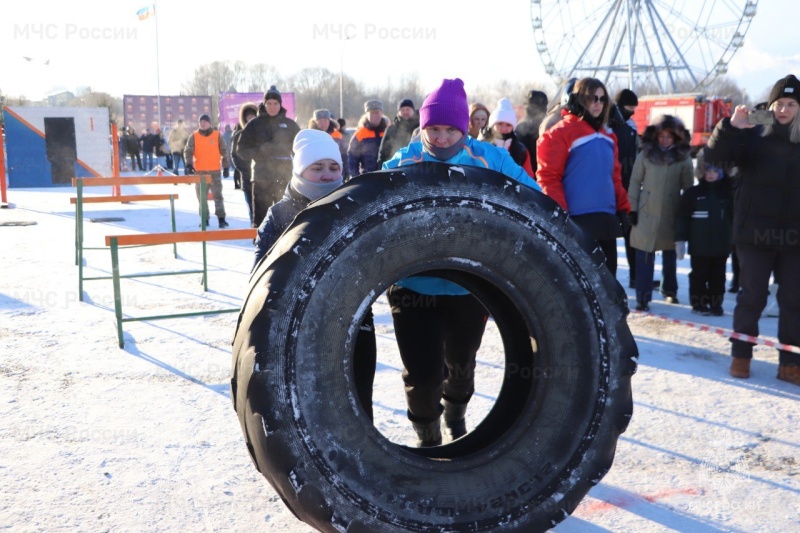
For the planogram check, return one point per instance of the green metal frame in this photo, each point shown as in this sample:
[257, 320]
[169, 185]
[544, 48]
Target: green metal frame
[116, 276]
[80, 248]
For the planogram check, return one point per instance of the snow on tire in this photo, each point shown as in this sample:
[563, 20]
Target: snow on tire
[565, 397]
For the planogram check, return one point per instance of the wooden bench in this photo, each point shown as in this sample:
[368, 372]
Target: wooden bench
[116, 241]
[80, 200]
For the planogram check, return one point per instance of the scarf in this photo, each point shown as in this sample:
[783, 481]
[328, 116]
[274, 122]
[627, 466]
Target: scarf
[443, 154]
[311, 190]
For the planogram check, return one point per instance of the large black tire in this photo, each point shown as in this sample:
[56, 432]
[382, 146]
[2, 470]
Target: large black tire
[566, 394]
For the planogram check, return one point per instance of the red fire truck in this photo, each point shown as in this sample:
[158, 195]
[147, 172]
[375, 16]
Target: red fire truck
[698, 112]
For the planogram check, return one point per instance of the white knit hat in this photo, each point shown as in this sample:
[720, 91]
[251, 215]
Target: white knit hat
[311, 146]
[504, 112]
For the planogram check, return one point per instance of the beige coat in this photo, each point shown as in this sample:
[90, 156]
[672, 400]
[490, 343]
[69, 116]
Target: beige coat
[655, 194]
[177, 139]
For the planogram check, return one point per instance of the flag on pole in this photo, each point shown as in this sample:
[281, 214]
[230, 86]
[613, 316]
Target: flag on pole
[146, 12]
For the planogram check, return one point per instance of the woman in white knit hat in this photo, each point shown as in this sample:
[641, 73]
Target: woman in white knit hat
[500, 132]
[317, 171]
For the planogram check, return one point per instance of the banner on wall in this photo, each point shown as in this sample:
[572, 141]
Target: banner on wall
[140, 111]
[229, 104]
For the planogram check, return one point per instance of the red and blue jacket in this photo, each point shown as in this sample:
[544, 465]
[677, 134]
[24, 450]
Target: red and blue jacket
[578, 168]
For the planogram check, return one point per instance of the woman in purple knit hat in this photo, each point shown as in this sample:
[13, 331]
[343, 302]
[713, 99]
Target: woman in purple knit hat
[439, 324]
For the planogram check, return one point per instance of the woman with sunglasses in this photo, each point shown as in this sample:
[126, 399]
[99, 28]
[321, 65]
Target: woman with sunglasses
[578, 166]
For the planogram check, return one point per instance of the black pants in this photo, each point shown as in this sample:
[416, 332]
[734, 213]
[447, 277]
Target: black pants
[609, 247]
[265, 193]
[756, 265]
[364, 359]
[136, 161]
[630, 254]
[438, 338]
[707, 281]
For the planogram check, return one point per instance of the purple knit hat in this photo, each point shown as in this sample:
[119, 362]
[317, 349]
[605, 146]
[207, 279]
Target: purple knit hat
[446, 106]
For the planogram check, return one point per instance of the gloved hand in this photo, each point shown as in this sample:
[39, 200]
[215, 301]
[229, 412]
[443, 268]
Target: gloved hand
[680, 249]
[634, 216]
[226, 172]
[189, 170]
[625, 221]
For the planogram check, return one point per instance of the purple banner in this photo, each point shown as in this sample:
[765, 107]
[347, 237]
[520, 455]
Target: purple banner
[141, 111]
[229, 104]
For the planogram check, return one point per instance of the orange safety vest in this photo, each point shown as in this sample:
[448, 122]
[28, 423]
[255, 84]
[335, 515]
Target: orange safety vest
[206, 151]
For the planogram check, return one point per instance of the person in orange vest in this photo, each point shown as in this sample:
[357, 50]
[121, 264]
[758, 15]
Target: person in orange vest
[362, 154]
[206, 153]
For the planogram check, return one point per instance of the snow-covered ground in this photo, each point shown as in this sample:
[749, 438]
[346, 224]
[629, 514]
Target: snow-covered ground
[97, 438]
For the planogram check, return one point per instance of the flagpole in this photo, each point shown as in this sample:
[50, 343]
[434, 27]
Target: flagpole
[158, 66]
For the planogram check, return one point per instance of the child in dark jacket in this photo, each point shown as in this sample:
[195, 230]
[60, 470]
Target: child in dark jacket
[705, 222]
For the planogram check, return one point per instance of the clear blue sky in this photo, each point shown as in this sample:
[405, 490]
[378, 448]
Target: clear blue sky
[102, 44]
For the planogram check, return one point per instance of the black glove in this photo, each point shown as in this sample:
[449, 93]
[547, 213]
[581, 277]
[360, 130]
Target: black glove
[625, 221]
[225, 172]
[634, 217]
[189, 169]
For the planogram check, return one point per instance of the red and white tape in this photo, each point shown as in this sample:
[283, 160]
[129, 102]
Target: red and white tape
[726, 333]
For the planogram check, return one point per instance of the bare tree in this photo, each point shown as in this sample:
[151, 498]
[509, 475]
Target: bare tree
[314, 88]
[99, 99]
[517, 92]
[260, 77]
[212, 78]
[724, 87]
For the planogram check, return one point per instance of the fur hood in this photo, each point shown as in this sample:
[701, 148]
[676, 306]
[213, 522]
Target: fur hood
[332, 126]
[243, 109]
[363, 122]
[677, 152]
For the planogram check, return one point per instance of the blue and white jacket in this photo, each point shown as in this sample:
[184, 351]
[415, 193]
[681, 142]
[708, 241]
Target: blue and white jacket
[474, 154]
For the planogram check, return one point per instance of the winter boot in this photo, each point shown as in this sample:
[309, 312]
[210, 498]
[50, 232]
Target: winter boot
[455, 425]
[789, 373]
[740, 367]
[428, 433]
[222, 223]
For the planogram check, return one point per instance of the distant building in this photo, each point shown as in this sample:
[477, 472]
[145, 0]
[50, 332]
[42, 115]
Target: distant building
[60, 98]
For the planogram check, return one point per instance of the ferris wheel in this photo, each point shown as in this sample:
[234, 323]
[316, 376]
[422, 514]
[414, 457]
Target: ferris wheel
[661, 46]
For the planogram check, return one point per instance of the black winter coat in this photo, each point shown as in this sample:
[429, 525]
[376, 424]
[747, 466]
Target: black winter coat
[528, 130]
[627, 145]
[132, 144]
[767, 200]
[238, 163]
[397, 136]
[267, 141]
[705, 218]
[278, 218]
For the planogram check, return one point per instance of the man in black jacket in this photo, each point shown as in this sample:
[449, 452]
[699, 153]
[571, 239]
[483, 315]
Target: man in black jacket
[399, 132]
[621, 122]
[266, 141]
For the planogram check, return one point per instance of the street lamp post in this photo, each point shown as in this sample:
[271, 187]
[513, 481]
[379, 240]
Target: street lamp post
[341, 76]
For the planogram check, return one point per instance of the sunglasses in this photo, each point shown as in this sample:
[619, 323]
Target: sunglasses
[593, 99]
